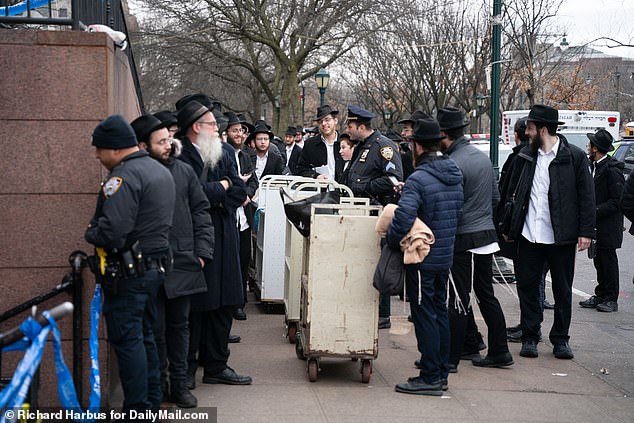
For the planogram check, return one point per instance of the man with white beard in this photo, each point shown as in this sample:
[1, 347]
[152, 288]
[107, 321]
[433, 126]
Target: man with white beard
[212, 311]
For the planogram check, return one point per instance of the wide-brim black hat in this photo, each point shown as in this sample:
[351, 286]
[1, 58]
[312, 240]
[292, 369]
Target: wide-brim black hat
[602, 140]
[190, 113]
[167, 117]
[451, 118]
[544, 114]
[426, 130]
[324, 111]
[291, 130]
[418, 114]
[232, 119]
[259, 129]
[243, 120]
[144, 126]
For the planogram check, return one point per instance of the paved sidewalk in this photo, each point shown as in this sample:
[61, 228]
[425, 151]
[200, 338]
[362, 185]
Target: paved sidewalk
[533, 390]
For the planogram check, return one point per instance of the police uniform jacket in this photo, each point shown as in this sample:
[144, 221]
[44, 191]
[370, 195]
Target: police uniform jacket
[314, 154]
[608, 187]
[222, 274]
[571, 193]
[135, 203]
[192, 234]
[376, 159]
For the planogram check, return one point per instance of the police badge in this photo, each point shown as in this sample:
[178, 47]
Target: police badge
[387, 153]
[111, 186]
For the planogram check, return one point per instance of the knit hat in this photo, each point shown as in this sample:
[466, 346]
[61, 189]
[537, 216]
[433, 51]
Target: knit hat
[114, 133]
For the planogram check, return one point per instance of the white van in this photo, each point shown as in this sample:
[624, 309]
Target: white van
[577, 123]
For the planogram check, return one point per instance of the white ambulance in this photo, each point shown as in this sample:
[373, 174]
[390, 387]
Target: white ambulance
[577, 124]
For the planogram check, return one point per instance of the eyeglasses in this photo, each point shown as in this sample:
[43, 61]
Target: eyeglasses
[212, 124]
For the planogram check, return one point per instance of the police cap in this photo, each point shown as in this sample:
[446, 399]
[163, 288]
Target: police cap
[357, 114]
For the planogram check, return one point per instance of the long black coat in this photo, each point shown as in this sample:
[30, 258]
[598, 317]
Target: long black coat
[314, 154]
[222, 274]
[296, 152]
[246, 167]
[608, 187]
[192, 234]
[627, 200]
[571, 193]
[274, 164]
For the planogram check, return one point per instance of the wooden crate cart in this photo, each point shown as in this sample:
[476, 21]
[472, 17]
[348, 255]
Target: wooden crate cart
[339, 305]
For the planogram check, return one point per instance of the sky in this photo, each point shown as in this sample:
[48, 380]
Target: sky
[586, 20]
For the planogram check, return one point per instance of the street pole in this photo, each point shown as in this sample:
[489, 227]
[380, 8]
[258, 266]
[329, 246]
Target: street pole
[322, 96]
[495, 84]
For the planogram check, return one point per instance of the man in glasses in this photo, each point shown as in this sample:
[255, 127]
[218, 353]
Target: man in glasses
[212, 312]
[191, 225]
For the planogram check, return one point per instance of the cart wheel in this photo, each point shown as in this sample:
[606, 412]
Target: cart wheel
[292, 332]
[313, 368]
[299, 350]
[366, 371]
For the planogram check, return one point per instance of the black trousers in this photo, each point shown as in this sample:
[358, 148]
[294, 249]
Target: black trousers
[385, 305]
[607, 264]
[490, 308]
[245, 258]
[208, 346]
[172, 337]
[530, 266]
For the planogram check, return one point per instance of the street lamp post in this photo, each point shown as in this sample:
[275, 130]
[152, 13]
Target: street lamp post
[617, 77]
[322, 78]
[480, 99]
[387, 117]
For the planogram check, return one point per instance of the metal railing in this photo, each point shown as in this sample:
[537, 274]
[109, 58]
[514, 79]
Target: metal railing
[81, 14]
[72, 282]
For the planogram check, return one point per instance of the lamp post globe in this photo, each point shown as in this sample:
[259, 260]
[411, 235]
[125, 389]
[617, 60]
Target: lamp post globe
[322, 78]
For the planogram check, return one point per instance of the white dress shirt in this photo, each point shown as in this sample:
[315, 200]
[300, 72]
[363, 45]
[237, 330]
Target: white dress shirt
[538, 227]
[289, 150]
[242, 217]
[260, 164]
[330, 153]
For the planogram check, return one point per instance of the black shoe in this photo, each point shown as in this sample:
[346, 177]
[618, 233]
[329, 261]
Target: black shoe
[417, 364]
[563, 351]
[229, 377]
[452, 368]
[409, 319]
[234, 339]
[591, 302]
[443, 382]
[183, 398]
[529, 349]
[502, 360]
[514, 336]
[384, 323]
[417, 386]
[239, 314]
[191, 381]
[469, 356]
[482, 345]
[608, 306]
[513, 328]
[548, 305]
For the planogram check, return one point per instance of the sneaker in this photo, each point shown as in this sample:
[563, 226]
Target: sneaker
[529, 349]
[608, 306]
[591, 302]
[563, 351]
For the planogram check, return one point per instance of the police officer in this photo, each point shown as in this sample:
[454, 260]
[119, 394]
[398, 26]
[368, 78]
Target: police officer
[130, 231]
[376, 161]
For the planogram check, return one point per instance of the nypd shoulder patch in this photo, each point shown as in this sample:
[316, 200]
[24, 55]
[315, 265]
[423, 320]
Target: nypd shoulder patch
[387, 153]
[111, 186]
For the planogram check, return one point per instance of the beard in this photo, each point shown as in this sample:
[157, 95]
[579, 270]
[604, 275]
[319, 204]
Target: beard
[210, 149]
[536, 143]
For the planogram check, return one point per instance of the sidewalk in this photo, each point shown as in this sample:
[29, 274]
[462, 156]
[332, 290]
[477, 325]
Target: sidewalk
[536, 390]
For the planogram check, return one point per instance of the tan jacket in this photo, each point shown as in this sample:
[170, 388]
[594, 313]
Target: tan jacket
[416, 244]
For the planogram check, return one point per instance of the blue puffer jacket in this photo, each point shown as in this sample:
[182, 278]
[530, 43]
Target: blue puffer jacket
[433, 193]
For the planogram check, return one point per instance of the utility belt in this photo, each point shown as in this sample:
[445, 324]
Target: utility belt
[110, 267]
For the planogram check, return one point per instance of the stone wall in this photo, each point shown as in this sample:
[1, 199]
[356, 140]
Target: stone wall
[55, 87]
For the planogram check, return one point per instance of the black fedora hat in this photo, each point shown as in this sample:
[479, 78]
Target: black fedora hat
[232, 119]
[291, 130]
[451, 118]
[243, 120]
[323, 111]
[190, 113]
[418, 114]
[260, 128]
[602, 140]
[426, 130]
[544, 114]
[167, 117]
[144, 126]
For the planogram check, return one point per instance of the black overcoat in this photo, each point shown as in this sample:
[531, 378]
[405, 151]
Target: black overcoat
[314, 154]
[222, 274]
[608, 187]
